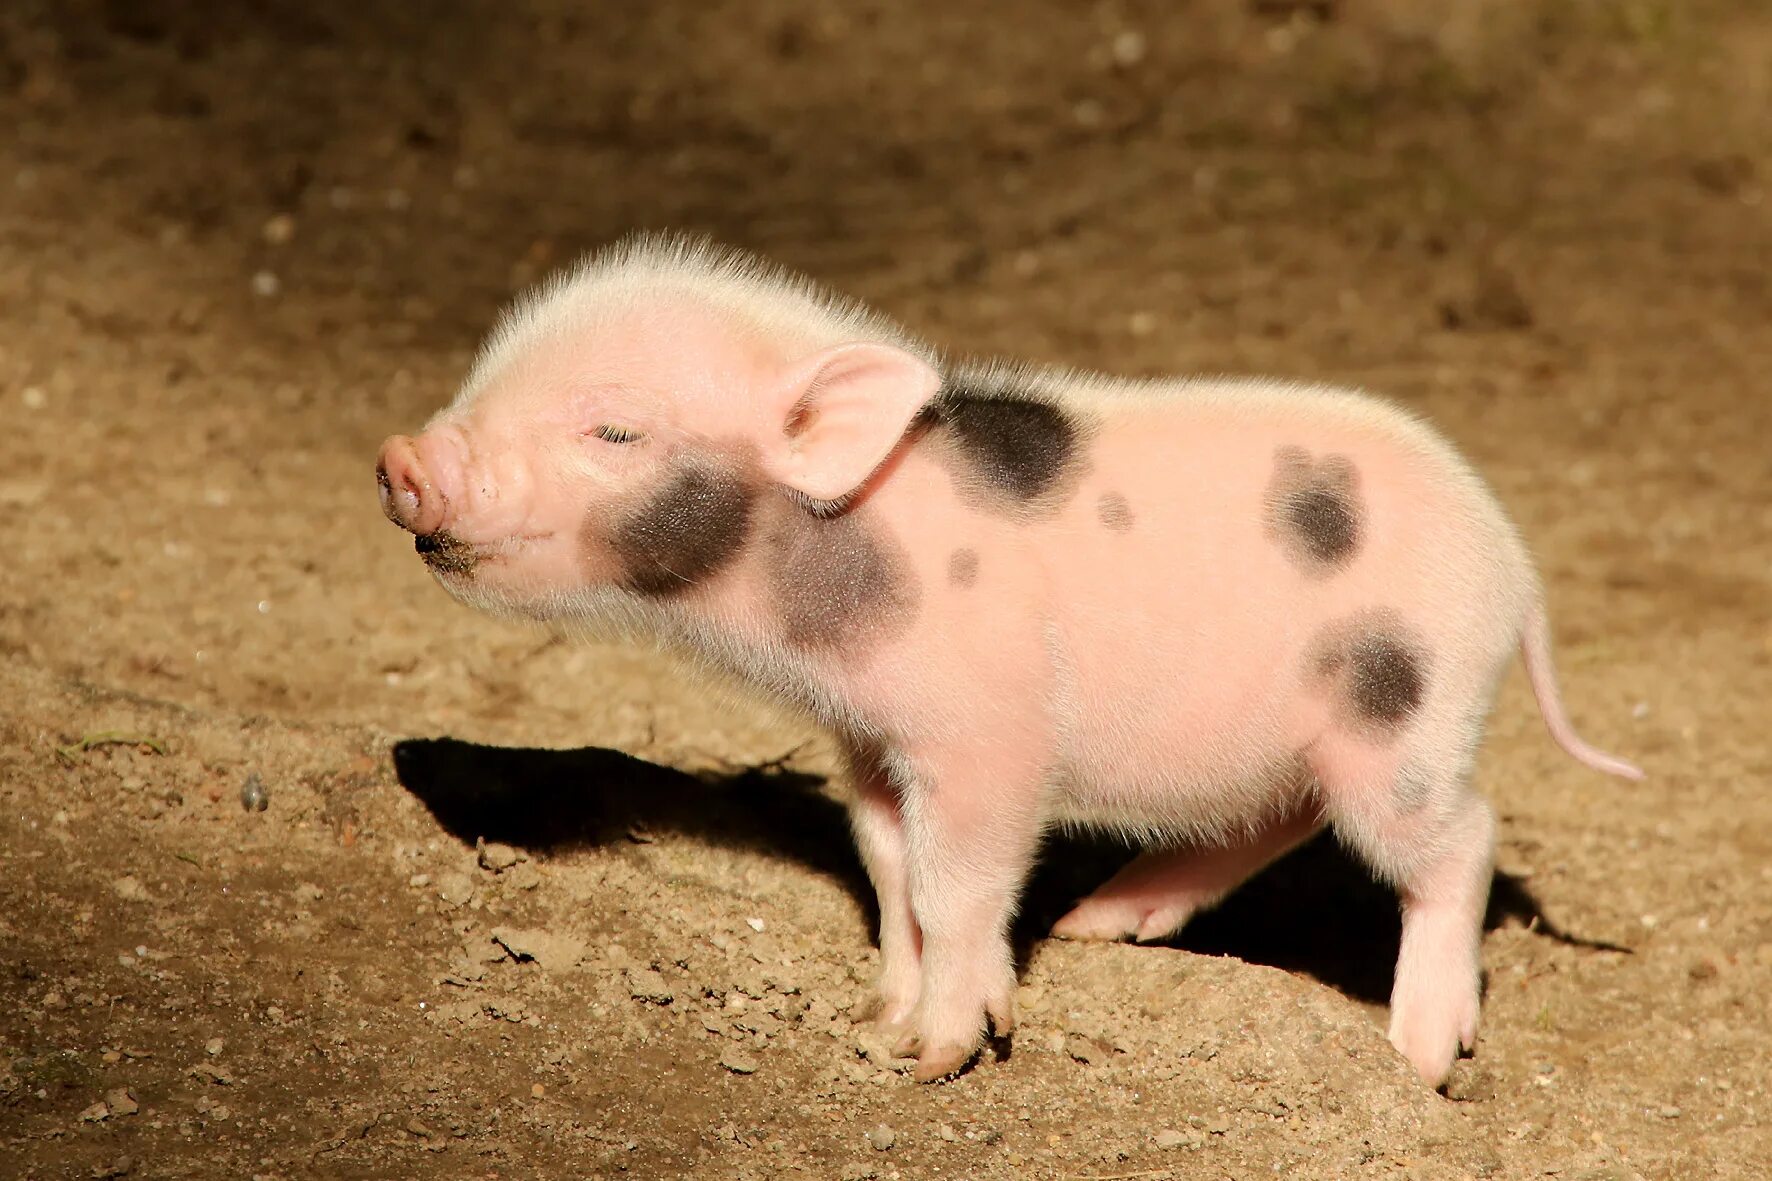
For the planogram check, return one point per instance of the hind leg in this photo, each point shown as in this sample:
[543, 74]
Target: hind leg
[1407, 809]
[1162, 889]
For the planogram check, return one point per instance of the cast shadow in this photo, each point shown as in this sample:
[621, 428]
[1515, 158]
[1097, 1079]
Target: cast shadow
[1316, 912]
[555, 801]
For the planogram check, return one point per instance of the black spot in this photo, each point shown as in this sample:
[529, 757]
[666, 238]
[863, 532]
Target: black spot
[836, 581]
[1314, 509]
[444, 553]
[1378, 667]
[1114, 512]
[963, 567]
[1325, 522]
[1010, 443]
[690, 528]
[1385, 684]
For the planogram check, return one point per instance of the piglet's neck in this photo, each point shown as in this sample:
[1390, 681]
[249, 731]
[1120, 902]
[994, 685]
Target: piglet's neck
[823, 586]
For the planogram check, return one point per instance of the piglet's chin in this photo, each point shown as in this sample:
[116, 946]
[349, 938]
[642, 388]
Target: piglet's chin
[447, 555]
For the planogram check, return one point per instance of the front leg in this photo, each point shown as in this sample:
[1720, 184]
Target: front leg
[973, 816]
[879, 835]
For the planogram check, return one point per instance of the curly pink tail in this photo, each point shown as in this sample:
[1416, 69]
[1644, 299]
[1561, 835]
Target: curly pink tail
[1535, 647]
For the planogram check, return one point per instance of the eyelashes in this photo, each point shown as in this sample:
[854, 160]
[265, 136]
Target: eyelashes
[610, 433]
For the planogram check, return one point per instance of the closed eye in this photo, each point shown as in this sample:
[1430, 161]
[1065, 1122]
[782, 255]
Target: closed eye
[610, 433]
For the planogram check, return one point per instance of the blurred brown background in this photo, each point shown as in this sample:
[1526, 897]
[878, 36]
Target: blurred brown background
[239, 243]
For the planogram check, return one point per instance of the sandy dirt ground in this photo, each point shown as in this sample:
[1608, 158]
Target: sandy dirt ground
[241, 243]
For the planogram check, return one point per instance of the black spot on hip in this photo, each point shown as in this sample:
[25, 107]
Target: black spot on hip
[1385, 685]
[690, 528]
[1012, 444]
[1377, 667]
[1115, 513]
[963, 567]
[837, 581]
[1313, 509]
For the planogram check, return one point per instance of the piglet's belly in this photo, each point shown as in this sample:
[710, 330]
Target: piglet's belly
[1180, 786]
[1175, 770]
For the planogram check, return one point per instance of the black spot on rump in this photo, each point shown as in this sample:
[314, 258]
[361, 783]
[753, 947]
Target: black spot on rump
[1314, 510]
[687, 531]
[1385, 684]
[1378, 667]
[963, 567]
[836, 580]
[1011, 443]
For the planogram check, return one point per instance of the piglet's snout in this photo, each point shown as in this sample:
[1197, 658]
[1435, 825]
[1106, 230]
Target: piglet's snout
[409, 496]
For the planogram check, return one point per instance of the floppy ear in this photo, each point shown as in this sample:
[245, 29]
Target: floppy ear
[836, 416]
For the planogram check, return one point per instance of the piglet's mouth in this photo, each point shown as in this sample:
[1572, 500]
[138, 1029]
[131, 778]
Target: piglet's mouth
[444, 553]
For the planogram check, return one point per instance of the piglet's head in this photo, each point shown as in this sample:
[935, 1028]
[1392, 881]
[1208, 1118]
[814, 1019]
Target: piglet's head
[640, 454]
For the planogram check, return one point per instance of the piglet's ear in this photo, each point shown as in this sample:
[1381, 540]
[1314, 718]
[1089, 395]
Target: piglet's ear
[839, 414]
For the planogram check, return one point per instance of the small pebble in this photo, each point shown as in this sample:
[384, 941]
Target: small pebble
[455, 888]
[1169, 1138]
[1129, 47]
[34, 397]
[279, 229]
[882, 1138]
[253, 795]
[1670, 1113]
[647, 984]
[213, 1046]
[122, 1102]
[266, 284]
[754, 924]
[739, 1062]
[130, 889]
[496, 856]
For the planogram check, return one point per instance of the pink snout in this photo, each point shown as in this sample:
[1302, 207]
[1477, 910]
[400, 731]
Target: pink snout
[409, 495]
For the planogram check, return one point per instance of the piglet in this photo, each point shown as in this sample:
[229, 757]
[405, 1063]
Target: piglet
[1211, 615]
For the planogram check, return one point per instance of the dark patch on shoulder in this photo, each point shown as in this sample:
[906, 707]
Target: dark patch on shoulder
[1378, 667]
[444, 553]
[963, 567]
[694, 525]
[1115, 513]
[1314, 510]
[1011, 444]
[837, 580]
